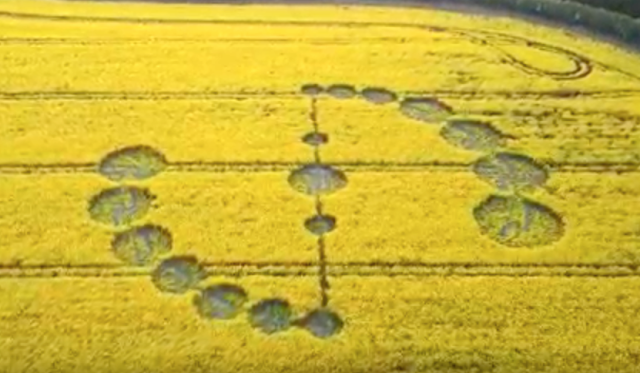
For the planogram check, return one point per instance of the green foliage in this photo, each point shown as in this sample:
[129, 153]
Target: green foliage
[598, 16]
[628, 7]
[619, 26]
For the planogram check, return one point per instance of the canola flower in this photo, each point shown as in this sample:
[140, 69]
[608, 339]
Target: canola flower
[187, 194]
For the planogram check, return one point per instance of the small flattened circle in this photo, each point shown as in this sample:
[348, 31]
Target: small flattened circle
[518, 222]
[120, 206]
[342, 91]
[271, 315]
[316, 179]
[315, 138]
[142, 245]
[132, 163]
[311, 89]
[178, 274]
[378, 96]
[224, 301]
[425, 109]
[322, 323]
[511, 172]
[473, 135]
[320, 224]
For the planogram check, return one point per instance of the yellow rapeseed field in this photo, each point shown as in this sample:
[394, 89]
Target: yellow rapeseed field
[214, 188]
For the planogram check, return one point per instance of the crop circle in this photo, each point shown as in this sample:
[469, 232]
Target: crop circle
[132, 163]
[511, 172]
[425, 109]
[473, 135]
[222, 301]
[271, 315]
[320, 224]
[322, 323]
[518, 222]
[311, 89]
[142, 245]
[315, 138]
[120, 206]
[378, 95]
[316, 179]
[342, 91]
[178, 274]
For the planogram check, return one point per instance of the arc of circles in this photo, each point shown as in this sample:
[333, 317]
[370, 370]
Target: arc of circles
[120, 207]
[506, 216]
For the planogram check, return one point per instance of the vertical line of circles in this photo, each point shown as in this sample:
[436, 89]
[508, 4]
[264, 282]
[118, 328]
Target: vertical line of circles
[317, 179]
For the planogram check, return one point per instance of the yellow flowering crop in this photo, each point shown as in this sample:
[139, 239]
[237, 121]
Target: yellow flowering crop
[314, 189]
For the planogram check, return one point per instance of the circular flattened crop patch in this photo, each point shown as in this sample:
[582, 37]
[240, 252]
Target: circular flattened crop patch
[271, 315]
[178, 274]
[320, 224]
[425, 109]
[518, 222]
[378, 95]
[315, 138]
[513, 172]
[315, 179]
[342, 91]
[222, 301]
[142, 245]
[120, 206]
[473, 135]
[322, 323]
[133, 163]
[311, 89]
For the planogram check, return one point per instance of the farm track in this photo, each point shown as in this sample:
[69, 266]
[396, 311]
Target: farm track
[583, 66]
[293, 95]
[364, 269]
[260, 167]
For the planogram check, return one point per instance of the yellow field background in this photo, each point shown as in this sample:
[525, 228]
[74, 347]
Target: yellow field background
[216, 90]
